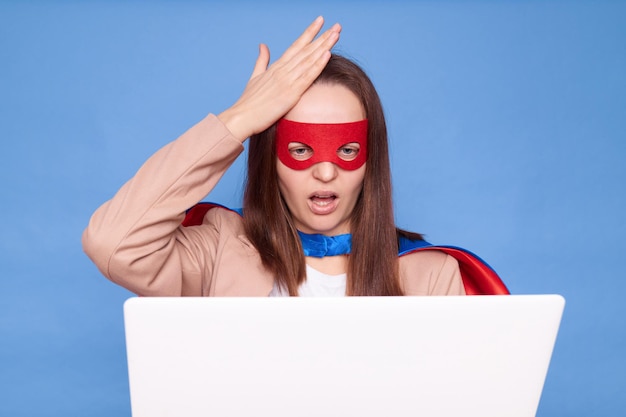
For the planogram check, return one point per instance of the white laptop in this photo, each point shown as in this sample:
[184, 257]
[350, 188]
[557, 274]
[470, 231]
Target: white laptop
[475, 356]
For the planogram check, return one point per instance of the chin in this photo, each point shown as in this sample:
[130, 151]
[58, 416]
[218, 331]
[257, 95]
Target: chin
[324, 228]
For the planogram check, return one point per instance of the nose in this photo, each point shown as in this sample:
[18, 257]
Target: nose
[325, 171]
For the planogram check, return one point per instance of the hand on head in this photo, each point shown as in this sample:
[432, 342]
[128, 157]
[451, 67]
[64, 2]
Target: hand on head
[272, 91]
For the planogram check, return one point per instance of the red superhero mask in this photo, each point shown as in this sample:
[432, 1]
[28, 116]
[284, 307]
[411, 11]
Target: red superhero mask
[325, 141]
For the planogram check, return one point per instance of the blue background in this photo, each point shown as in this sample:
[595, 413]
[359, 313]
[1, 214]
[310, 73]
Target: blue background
[507, 123]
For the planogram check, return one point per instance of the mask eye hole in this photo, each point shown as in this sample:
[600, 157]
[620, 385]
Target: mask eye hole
[349, 151]
[300, 151]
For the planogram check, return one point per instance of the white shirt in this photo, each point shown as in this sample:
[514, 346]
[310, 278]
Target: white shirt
[317, 284]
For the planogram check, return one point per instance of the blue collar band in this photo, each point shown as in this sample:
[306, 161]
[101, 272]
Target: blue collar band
[319, 246]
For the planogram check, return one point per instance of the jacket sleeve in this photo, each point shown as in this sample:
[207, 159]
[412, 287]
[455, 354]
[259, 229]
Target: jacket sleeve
[448, 280]
[430, 272]
[135, 239]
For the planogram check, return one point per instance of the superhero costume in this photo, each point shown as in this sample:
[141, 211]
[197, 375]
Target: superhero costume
[478, 277]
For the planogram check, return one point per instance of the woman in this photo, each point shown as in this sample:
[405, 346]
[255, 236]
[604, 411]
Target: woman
[318, 174]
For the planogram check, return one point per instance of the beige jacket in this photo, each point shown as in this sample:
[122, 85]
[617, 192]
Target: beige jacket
[136, 238]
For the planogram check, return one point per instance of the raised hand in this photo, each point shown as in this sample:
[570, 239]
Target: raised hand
[272, 91]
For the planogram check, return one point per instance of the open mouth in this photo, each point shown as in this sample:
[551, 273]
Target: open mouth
[323, 199]
[323, 202]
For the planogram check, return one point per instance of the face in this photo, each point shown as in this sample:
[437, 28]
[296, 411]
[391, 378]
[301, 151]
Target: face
[322, 196]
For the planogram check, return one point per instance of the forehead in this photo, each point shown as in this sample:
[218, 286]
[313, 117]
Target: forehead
[327, 103]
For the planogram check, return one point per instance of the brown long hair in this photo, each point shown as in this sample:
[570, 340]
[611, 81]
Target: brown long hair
[373, 262]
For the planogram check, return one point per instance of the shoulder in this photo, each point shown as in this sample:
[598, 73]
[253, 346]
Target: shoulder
[431, 261]
[212, 213]
[430, 272]
[210, 219]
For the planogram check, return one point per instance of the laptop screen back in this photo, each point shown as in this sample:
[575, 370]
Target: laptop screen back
[354, 356]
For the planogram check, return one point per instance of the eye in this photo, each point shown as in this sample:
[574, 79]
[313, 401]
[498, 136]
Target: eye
[300, 151]
[349, 151]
